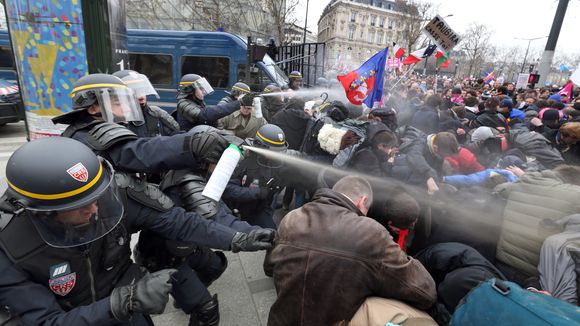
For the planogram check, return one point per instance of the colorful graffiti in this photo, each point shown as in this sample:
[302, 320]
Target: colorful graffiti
[49, 44]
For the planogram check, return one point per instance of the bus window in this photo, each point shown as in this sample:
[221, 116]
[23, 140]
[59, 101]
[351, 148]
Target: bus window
[157, 67]
[215, 69]
[257, 80]
[6, 59]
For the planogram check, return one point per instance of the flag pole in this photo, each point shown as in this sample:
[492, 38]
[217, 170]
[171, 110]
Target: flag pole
[404, 75]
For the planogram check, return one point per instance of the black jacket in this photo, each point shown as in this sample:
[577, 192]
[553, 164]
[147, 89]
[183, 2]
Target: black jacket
[293, 121]
[369, 160]
[426, 119]
[488, 119]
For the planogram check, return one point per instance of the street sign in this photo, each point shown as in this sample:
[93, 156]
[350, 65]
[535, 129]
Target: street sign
[441, 34]
[522, 81]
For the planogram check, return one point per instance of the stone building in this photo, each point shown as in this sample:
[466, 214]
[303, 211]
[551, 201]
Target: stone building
[354, 30]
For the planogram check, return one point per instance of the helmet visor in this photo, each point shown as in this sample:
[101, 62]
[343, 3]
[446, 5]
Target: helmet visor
[203, 85]
[140, 84]
[80, 225]
[119, 105]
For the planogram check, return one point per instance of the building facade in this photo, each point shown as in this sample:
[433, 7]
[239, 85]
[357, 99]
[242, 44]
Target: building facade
[355, 30]
[295, 35]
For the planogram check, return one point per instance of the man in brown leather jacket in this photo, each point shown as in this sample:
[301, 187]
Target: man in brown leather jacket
[329, 258]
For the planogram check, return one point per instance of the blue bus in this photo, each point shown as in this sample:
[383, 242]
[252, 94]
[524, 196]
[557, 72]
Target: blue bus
[165, 56]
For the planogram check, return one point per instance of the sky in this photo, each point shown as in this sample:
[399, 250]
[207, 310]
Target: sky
[508, 19]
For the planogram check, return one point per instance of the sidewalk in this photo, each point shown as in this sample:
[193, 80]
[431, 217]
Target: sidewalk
[245, 294]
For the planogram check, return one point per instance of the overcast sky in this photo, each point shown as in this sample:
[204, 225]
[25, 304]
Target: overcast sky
[509, 19]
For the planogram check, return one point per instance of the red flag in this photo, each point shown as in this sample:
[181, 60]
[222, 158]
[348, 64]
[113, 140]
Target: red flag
[566, 90]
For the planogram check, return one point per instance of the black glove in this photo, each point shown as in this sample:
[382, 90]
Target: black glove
[208, 146]
[248, 99]
[258, 239]
[148, 296]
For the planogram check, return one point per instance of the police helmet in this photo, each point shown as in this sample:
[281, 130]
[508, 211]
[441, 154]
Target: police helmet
[139, 83]
[191, 82]
[116, 101]
[270, 137]
[239, 88]
[322, 82]
[295, 80]
[68, 193]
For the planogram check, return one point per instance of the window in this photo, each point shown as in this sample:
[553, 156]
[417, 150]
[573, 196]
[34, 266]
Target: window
[362, 34]
[390, 24]
[371, 37]
[373, 20]
[6, 58]
[382, 22]
[390, 7]
[353, 16]
[380, 38]
[351, 33]
[215, 69]
[158, 67]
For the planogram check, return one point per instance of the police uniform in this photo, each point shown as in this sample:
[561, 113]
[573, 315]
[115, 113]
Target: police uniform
[192, 111]
[157, 123]
[80, 275]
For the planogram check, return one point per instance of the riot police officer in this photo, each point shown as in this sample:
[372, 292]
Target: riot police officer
[64, 244]
[102, 103]
[295, 80]
[257, 178]
[271, 104]
[237, 91]
[156, 120]
[191, 108]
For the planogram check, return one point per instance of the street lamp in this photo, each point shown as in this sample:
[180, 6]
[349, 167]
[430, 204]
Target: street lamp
[528, 48]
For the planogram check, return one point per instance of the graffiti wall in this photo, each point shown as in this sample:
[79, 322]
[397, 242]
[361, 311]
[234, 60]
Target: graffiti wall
[48, 40]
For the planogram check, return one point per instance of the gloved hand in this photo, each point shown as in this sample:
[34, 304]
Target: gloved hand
[208, 146]
[148, 296]
[258, 239]
[248, 99]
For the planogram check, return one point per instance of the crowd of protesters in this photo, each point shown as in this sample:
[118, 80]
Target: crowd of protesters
[391, 215]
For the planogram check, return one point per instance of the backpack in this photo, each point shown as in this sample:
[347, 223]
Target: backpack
[496, 302]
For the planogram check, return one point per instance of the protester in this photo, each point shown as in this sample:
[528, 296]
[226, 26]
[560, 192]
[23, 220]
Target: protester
[329, 245]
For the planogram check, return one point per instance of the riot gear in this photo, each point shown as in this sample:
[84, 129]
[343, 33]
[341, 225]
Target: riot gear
[191, 82]
[295, 80]
[116, 102]
[271, 137]
[139, 83]
[239, 89]
[71, 198]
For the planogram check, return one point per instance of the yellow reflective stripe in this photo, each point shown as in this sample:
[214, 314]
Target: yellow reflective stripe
[80, 88]
[134, 81]
[268, 140]
[186, 83]
[240, 89]
[63, 194]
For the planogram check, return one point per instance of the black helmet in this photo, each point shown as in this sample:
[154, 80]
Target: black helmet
[139, 83]
[190, 82]
[68, 193]
[271, 137]
[240, 88]
[116, 101]
[295, 80]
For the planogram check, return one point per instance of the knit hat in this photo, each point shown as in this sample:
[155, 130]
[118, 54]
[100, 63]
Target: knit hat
[506, 103]
[481, 134]
[555, 97]
[551, 115]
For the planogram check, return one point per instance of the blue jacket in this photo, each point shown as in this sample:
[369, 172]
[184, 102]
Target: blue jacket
[478, 178]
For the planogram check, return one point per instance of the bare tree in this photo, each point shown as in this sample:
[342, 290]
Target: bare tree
[284, 14]
[476, 45]
[415, 14]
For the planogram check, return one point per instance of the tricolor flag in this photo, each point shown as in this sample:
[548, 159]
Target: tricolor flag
[488, 78]
[397, 51]
[416, 56]
[365, 85]
[442, 59]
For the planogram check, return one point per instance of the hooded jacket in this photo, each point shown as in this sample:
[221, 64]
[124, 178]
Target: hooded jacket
[328, 259]
[370, 160]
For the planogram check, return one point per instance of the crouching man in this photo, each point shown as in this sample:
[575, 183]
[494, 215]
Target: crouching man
[329, 257]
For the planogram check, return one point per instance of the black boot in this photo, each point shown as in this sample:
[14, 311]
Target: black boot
[207, 314]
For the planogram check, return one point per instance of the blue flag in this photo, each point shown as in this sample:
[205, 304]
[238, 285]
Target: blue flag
[564, 68]
[365, 85]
